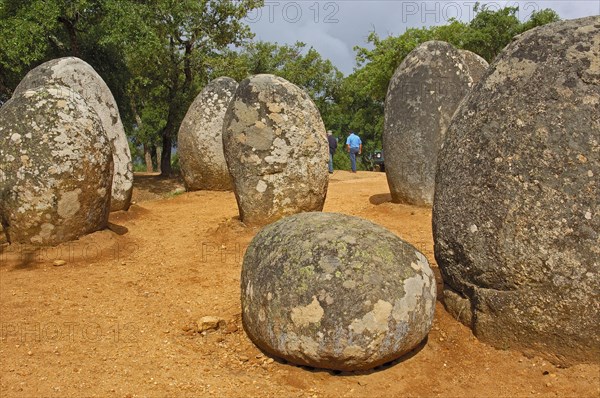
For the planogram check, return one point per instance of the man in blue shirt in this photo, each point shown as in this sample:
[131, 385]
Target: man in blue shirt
[353, 146]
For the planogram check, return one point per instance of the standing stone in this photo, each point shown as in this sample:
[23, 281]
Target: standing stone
[276, 150]
[335, 291]
[517, 212]
[200, 140]
[477, 65]
[55, 167]
[421, 99]
[82, 78]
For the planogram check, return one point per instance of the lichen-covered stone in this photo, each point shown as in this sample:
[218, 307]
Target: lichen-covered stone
[55, 167]
[334, 291]
[82, 78]
[477, 65]
[421, 99]
[517, 212]
[276, 150]
[200, 140]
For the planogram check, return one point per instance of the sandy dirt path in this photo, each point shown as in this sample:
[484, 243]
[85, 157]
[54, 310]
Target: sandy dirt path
[118, 319]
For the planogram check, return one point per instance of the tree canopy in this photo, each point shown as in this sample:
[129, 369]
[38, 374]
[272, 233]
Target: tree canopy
[363, 92]
[157, 56]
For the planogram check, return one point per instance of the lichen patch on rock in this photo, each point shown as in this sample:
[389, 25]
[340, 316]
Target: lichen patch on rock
[513, 218]
[349, 298]
[276, 150]
[200, 140]
[422, 96]
[58, 191]
[67, 74]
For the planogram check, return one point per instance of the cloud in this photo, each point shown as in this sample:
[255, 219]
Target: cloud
[334, 27]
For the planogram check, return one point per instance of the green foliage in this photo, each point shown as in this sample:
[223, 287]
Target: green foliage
[167, 44]
[139, 167]
[156, 57]
[295, 63]
[153, 55]
[362, 96]
[175, 163]
[341, 160]
[490, 31]
[539, 18]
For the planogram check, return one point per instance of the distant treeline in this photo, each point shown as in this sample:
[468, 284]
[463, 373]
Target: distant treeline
[157, 56]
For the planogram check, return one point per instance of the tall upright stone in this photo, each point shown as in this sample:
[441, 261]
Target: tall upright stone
[80, 77]
[55, 167]
[516, 218]
[200, 140]
[477, 65]
[421, 99]
[276, 150]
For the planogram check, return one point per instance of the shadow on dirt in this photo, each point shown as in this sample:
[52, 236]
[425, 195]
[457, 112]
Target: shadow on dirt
[156, 183]
[380, 199]
[340, 373]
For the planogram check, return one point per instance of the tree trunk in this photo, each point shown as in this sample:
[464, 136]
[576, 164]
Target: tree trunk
[155, 158]
[148, 158]
[69, 26]
[165, 158]
[158, 156]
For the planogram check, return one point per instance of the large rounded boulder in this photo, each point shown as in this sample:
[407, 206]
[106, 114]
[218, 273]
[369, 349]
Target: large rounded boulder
[517, 212]
[333, 291]
[276, 150]
[477, 65]
[200, 140]
[80, 77]
[421, 99]
[55, 167]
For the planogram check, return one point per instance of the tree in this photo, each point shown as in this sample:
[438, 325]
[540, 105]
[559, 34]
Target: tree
[296, 63]
[363, 92]
[539, 18]
[34, 32]
[153, 55]
[37, 31]
[168, 44]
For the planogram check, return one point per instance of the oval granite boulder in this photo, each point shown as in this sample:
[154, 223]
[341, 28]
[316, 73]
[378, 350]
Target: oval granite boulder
[334, 291]
[200, 139]
[55, 167]
[276, 150]
[477, 65]
[517, 206]
[79, 76]
[421, 99]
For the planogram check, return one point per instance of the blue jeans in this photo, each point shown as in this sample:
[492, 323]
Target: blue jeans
[353, 152]
[330, 162]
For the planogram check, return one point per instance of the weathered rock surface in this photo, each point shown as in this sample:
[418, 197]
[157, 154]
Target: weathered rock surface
[477, 65]
[82, 78]
[55, 167]
[276, 150]
[200, 141]
[421, 99]
[517, 212]
[334, 291]
[208, 323]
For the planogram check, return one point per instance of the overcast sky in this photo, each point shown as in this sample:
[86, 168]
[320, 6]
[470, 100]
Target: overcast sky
[334, 27]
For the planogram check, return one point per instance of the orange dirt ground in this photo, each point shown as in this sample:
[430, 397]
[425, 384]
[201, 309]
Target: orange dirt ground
[118, 319]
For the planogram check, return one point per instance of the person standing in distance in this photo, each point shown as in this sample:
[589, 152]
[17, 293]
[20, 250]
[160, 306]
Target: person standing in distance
[353, 146]
[332, 147]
